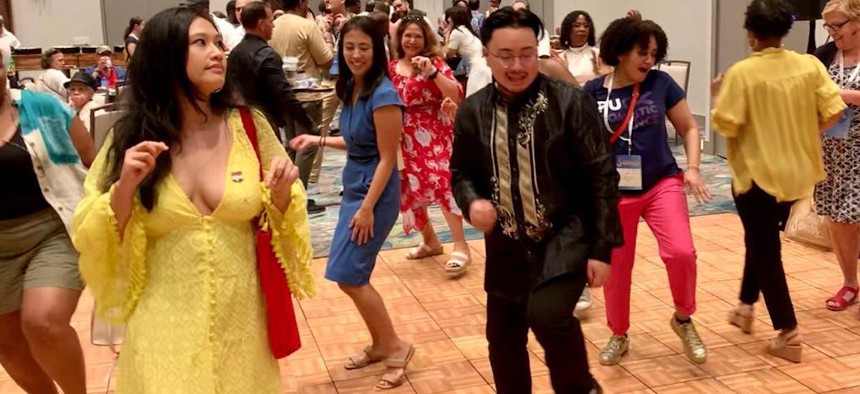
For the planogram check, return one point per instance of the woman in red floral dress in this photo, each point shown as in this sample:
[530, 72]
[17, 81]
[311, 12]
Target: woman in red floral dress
[425, 82]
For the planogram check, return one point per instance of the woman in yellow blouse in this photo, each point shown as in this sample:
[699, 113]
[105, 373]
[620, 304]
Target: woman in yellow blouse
[771, 109]
[165, 229]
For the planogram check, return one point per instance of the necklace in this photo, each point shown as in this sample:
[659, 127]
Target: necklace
[15, 144]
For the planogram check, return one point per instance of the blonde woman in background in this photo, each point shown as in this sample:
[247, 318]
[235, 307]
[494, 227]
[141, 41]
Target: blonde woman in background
[424, 81]
[838, 196]
[770, 109]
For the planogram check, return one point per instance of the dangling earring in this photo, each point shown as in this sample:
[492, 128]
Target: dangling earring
[754, 44]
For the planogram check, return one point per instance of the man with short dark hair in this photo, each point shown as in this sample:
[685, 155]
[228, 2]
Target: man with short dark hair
[231, 13]
[297, 36]
[547, 234]
[256, 71]
[354, 6]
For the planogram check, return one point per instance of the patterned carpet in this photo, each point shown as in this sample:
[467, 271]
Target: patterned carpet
[326, 192]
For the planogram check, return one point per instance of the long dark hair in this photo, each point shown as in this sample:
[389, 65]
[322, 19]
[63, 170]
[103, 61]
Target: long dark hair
[378, 70]
[132, 23]
[567, 28]
[460, 16]
[151, 102]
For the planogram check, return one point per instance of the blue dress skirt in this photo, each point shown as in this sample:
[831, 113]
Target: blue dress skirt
[350, 263]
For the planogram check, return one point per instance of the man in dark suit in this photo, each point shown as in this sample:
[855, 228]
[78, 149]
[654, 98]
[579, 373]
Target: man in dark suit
[256, 70]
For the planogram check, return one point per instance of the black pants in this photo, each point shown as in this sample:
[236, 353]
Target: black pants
[762, 216]
[304, 160]
[549, 313]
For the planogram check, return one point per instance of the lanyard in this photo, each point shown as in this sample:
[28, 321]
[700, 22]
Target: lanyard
[628, 119]
[843, 84]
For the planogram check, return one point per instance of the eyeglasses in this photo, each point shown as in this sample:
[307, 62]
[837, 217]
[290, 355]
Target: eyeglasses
[508, 60]
[835, 26]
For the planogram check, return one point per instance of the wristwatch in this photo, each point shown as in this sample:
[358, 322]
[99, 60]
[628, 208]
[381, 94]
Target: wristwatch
[434, 74]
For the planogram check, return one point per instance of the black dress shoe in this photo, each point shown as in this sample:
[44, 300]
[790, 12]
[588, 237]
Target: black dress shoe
[314, 209]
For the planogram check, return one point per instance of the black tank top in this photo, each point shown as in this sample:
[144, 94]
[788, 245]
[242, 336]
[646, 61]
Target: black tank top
[21, 194]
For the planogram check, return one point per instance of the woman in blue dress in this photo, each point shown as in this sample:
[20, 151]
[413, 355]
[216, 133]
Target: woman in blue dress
[371, 122]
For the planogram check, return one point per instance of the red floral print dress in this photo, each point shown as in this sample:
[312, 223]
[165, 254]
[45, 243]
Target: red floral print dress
[426, 145]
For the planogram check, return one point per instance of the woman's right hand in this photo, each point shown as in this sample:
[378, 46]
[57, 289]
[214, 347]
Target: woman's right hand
[302, 142]
[138, 163]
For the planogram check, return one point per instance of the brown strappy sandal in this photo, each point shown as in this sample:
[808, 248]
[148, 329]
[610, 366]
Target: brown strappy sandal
[742, 317]
[779, 347]
[392, 379]
[422, 251]
[366, 358]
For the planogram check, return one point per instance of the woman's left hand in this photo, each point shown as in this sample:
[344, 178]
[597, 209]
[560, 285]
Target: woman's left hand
[362, 226]
[696, 185]
[423, 64]
[282, 174]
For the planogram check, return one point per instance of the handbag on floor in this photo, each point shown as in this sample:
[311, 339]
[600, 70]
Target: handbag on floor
[280, 316]
[806, 227]
[103, 333]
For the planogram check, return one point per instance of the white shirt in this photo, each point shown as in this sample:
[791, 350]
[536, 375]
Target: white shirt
[544, 47]
[227, 31]
[84, 113]
[236, 38]
[582, 62]
[470, 48]
[8, 41]
[51, 81]
[466, 44]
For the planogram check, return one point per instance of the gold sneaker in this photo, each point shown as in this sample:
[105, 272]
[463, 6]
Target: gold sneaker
[616, 348]
[693, 345]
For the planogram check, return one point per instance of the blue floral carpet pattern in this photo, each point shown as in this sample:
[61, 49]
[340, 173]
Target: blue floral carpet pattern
[327, 192]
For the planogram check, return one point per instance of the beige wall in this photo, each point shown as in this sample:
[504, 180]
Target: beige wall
[43, 23]
[688, 24]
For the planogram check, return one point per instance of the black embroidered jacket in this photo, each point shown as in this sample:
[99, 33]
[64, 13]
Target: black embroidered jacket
[545, 163]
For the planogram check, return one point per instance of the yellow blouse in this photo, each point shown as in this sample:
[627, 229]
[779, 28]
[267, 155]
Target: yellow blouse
[769, 108]
[186, 284]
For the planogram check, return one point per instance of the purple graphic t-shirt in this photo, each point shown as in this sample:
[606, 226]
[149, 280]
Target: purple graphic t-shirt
[657, 94]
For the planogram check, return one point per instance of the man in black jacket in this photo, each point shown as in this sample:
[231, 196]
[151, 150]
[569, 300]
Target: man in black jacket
[256, 71]
[533, 170]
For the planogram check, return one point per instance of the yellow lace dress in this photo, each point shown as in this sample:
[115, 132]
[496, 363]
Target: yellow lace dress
[186, 284]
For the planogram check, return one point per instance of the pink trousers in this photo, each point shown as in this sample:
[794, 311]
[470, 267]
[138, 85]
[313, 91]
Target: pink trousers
[664, 209]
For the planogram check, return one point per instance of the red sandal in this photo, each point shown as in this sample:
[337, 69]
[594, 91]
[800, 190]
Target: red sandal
[843, 299]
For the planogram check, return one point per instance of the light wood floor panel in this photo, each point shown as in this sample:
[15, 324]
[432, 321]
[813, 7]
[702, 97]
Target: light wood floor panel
[444, 317]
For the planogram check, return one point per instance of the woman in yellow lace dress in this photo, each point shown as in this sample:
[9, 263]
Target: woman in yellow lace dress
[165, 229]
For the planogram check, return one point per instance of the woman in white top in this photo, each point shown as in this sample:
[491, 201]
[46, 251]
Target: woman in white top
[578, 41]
[52, 80]
[461, 40]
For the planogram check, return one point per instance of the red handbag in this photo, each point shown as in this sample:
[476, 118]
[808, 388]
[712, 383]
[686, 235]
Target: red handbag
[280, 316]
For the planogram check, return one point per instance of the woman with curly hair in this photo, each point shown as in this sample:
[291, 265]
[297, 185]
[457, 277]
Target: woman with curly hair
[634, 102]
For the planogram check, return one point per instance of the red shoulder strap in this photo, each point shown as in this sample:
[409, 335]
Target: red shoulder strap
[623, 126]
[251, 131]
